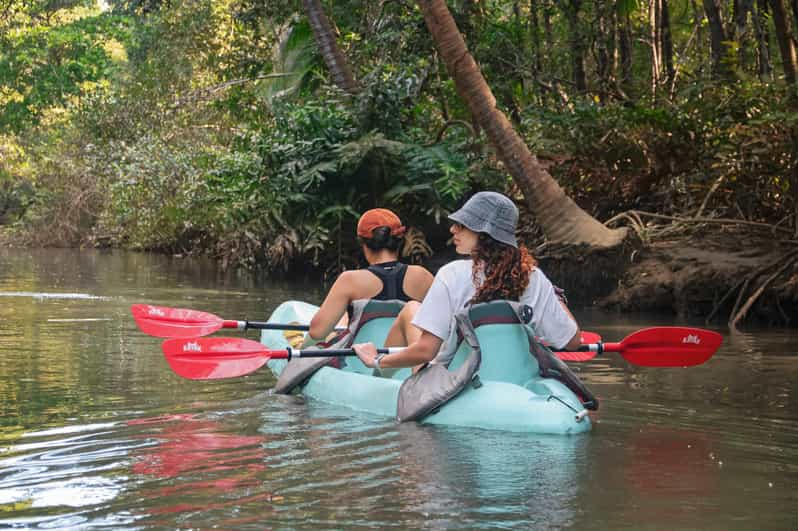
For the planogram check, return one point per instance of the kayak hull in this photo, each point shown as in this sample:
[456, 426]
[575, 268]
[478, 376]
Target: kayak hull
[543, 406]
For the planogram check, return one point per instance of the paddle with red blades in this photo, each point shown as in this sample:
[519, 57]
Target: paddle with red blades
[220, 357]
[660, 346]
[210, 358]
[160, 321]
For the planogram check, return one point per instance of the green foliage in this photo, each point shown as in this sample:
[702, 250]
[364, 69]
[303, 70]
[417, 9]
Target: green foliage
[47, 67]
[208, 126]
[16, 193]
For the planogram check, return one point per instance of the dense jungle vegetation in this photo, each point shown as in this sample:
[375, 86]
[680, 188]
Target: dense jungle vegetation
[219, 126]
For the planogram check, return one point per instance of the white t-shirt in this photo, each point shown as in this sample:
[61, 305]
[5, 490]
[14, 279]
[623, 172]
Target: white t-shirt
[453, 287]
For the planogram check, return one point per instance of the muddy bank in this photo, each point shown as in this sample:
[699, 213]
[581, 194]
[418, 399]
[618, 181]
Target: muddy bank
[719, 277]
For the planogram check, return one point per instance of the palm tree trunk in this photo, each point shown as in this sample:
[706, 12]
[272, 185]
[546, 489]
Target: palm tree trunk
[328, 47]
[560, 218]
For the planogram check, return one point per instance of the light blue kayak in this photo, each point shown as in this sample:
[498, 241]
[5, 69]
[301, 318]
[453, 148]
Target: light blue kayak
[513, 396]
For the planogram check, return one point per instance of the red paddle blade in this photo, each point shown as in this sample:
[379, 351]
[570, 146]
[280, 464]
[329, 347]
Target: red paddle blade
[573, 355]
[160, 321]
[669, 346]
[210, 358]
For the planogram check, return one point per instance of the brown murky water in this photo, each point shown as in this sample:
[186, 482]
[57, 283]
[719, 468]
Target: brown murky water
[96, 431]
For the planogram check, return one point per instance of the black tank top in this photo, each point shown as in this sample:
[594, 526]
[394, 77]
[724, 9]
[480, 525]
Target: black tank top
[392, 275]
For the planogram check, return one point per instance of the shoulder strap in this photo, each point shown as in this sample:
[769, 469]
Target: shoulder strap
[392, 281]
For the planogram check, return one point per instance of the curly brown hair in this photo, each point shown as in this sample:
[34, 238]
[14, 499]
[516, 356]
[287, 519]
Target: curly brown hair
[506, 270]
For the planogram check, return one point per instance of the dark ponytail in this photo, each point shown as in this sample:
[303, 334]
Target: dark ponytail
[381, 238]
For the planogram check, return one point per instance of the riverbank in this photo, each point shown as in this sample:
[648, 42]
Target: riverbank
[725, 275]
[721, 274]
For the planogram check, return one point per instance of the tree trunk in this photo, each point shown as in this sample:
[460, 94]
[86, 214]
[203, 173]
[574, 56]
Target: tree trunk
[548, 32]
[534, 32]
[781, 23]
[741, 10]
[764, 65]
[718, 41]
[605, 47]
[577, 42]
[698, 19]
[625, 52]
[559, 217]
[654, 37]
[328, 47]
[667, 41]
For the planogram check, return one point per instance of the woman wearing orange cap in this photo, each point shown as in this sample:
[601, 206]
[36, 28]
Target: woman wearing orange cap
[380, 233]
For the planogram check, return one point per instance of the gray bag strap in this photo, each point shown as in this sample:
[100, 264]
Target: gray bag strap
[298, 370]
[553, 367]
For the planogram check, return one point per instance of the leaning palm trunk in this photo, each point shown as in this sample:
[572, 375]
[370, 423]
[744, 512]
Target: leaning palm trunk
[560, 218]
[328, 47]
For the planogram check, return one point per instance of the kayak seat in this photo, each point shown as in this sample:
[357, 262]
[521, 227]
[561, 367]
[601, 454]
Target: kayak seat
[504, 343]
[374, 324]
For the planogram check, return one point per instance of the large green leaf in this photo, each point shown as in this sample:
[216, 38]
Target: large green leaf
[293, 58]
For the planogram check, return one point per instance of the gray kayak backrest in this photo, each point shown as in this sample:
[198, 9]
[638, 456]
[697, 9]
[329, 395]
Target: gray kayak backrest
[504, 342]
[368, 317]
[489, 350]
[430, 388]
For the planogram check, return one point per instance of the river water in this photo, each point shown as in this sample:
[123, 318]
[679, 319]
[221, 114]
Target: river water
[97, 432]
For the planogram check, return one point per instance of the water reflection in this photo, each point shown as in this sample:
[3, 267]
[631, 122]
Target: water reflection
[194, 459]
[666, 463]
[408, 474]
[467, 475]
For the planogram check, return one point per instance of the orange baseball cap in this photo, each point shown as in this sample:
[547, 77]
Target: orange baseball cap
[379, 217]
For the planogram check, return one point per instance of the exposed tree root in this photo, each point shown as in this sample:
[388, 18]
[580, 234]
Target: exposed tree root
[635, 217]
[739, 315]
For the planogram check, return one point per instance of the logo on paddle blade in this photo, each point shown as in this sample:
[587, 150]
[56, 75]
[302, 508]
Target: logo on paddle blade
[691, 338]
[192, 347]
[156, 311]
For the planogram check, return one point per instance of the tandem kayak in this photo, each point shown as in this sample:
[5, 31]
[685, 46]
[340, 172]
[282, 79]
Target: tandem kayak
[538, 405]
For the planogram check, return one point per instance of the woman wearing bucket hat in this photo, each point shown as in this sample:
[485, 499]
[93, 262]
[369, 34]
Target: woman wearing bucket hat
[380, 233]
[499, 268]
